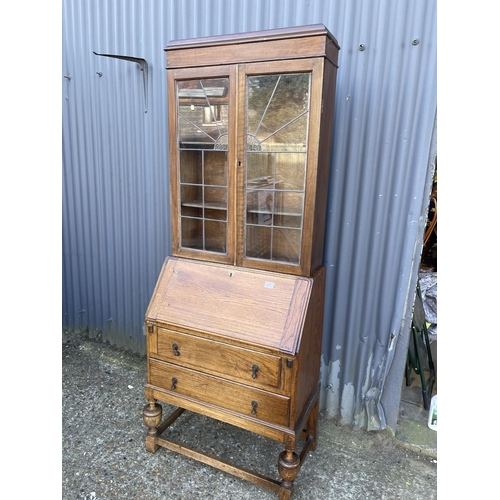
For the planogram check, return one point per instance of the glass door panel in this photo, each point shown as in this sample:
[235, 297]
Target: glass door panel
[215, 203]
[289, 208]
[258, 242]
[291, 169]
[203, 114]
[215, 236]
[286, 245]
[276, 154]
[260, 206]
[191, 200]
[192, 232]
[216, 168]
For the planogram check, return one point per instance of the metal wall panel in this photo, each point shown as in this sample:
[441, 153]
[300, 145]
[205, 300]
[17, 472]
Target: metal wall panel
[116, 220]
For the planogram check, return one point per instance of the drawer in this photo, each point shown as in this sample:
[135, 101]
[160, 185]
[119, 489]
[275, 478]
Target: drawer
[209, 356]
[265, 406]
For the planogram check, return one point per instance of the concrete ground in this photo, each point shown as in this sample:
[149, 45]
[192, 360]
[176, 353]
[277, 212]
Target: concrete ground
[412, 429]
[104, 455]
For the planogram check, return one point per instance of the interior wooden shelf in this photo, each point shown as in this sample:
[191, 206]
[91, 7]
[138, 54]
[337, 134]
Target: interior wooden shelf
[216, 205]
[212, 205]
[297, 212]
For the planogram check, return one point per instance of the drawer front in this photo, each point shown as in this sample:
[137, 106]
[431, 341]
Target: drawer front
[247, 401]
[209, 356]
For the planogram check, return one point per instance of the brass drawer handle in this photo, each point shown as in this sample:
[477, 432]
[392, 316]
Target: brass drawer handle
[175, 347]
[255, 369]
[254, 407]
[174, 381]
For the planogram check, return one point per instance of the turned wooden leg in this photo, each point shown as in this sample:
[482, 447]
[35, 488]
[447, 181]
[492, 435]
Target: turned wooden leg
[152, 418]
[288, 467]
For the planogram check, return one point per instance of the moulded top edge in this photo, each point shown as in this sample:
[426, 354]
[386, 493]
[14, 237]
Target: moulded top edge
[253, 36]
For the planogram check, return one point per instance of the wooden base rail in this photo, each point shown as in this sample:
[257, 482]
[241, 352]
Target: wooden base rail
[289, 463]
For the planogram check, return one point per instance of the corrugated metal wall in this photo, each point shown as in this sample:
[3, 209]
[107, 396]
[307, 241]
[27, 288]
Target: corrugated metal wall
[115, 172]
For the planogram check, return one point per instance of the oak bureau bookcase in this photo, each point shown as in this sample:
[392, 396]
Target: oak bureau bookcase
[234, 324]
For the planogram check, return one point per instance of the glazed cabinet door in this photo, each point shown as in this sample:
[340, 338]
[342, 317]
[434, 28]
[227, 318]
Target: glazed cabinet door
[282, 103]
[202, 137]
[244, 159]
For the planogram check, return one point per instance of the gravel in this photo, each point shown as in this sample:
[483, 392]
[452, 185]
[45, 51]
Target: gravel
[104, 455]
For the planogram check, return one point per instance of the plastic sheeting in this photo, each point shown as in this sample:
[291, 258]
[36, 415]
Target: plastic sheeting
[428, 289]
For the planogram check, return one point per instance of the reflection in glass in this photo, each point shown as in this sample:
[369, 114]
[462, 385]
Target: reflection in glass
[277, 128]
[202, 112]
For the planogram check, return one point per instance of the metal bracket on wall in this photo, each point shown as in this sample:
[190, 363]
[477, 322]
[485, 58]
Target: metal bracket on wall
[144, 68]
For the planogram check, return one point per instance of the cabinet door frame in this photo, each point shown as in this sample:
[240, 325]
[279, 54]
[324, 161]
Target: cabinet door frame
[315, 66]
[173, 76]
[236, 194]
